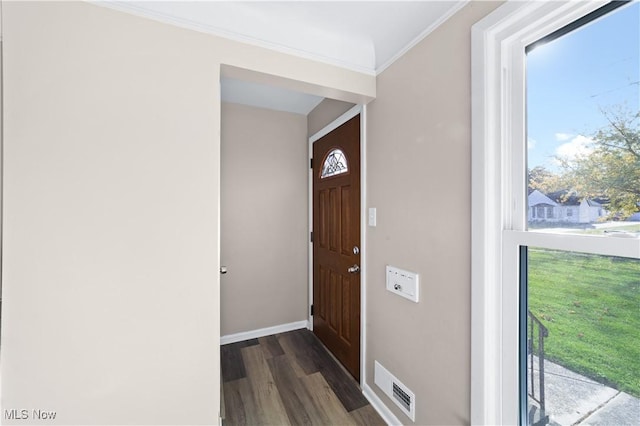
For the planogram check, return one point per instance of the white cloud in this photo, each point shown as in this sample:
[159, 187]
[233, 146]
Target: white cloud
[531, 143]
[561, 137]
[578, 147]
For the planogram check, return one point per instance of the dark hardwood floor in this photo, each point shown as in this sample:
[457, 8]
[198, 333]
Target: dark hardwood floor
[290, 379]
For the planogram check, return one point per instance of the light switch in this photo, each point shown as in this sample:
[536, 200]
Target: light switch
[403, 283]
[372, 216]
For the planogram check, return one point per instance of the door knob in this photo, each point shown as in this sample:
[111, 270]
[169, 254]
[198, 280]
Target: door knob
[223, 270]
[353, 269]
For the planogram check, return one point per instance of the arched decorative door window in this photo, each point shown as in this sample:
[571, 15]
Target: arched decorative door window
[335, 163]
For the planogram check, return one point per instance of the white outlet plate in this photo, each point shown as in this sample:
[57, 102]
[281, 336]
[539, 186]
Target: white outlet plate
[403, 283]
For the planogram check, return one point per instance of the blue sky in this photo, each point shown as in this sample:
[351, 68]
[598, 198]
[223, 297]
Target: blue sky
[572, 78]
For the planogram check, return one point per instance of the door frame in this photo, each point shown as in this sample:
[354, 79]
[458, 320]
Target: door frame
[358, 109]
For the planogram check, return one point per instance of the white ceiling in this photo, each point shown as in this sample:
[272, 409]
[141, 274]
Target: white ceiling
[269, 97]
[365, 36]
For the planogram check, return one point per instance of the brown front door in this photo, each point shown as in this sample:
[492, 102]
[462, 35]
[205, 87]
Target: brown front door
[336, 243]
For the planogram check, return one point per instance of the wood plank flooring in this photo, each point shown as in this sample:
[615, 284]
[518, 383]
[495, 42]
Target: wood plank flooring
[290, 379]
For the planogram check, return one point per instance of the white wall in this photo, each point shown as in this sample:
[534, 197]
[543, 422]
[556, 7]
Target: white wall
[264, 218]
[111, 188]
[419, 179]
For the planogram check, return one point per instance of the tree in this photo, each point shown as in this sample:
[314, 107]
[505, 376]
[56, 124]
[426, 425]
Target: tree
[611, 170]
[545, 181]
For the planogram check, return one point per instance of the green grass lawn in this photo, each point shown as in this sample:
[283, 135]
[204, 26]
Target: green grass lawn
[591, 306]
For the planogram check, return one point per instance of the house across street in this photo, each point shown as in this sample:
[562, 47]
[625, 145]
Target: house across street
[565, 207]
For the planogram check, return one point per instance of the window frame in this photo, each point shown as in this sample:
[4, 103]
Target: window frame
[499, 198]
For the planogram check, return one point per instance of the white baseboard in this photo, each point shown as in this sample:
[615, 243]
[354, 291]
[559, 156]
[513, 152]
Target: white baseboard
[261, 332]
[379, 406]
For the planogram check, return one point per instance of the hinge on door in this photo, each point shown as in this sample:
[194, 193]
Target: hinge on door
[311, 310]
[311, 163]
[311, 236]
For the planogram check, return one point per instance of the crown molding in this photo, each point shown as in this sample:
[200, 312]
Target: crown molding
[454, 9]
[134, 9]
[141, 11]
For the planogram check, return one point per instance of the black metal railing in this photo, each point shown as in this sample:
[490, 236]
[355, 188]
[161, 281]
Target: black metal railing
[536, 333]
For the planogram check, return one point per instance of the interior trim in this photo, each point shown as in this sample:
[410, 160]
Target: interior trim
[262, 332]
[380, 406]
[455, 9]
[139, 10]
[336, 123]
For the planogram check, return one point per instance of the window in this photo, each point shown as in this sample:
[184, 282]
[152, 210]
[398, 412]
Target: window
[499, 204]
[581, 337]
[579, 310]
[582, 131]
[334, 164]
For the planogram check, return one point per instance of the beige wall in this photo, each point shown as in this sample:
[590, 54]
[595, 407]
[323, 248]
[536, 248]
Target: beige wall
[111, 199]
[109, 266]
[326, 112]
[110, 246]
[419, 179]
[264, 219]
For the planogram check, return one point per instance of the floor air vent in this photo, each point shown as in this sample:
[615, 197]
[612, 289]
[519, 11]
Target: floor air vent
[398, 392]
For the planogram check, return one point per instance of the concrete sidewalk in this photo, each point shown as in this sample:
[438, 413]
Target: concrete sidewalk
[572, 399]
